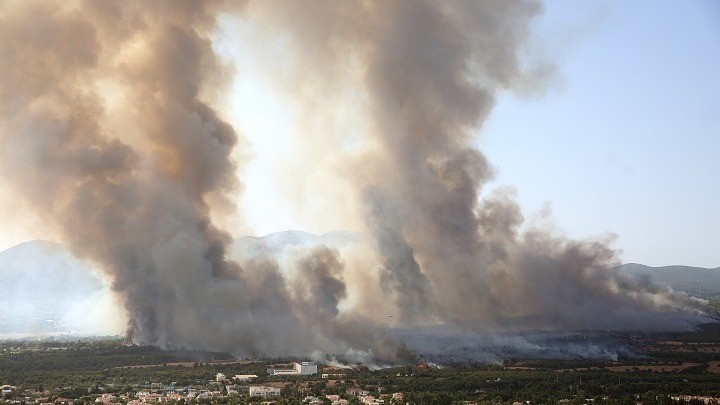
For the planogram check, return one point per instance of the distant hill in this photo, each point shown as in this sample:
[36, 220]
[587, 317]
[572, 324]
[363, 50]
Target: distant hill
[47, 290]
[279, 243]
[696, 281]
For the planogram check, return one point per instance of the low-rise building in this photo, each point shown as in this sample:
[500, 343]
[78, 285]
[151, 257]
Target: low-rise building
[262, 391]
[698, 398]
[244, 377]
[306, 368]
[310, 400]
[357, 392]
[106, 399]
[302, 368]
[371, 400]
[148, 397]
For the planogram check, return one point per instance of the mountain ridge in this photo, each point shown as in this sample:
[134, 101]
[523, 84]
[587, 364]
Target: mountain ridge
[42, 277]
[702, 282]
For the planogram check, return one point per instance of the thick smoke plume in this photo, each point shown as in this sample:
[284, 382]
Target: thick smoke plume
[109, 133]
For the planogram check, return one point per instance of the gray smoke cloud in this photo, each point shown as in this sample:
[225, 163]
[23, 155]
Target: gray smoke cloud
[108, 132]
[428, 74]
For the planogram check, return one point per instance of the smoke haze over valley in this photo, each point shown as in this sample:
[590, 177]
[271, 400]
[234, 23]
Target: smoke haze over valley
[116, 139]
[69, 300]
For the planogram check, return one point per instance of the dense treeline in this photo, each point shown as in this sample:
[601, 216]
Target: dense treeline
[73, 370]
[87, 363]
[541, 386]
[79, 356]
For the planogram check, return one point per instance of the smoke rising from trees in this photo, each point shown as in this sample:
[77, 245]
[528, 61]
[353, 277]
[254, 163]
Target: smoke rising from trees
[109, 133]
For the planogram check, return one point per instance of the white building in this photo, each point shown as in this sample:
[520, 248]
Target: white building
[304, 368]
[264, 392]
[371, 400]
[220, 377]
[333, 375]
[244, 377]
[282, 371]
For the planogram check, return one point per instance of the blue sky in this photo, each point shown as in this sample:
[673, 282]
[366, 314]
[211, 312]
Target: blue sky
[626, 138]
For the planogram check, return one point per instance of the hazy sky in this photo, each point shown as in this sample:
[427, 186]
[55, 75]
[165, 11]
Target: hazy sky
[628, 138]
[624, 138]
